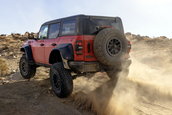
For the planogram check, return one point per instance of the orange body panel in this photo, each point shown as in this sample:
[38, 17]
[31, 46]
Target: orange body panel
[41, 49]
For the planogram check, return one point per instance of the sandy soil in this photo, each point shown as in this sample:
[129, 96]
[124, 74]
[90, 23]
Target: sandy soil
[33, 98]
[146, 91]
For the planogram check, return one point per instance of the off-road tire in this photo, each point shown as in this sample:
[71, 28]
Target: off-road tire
[61, 80]
[27, 70]
[110, 45]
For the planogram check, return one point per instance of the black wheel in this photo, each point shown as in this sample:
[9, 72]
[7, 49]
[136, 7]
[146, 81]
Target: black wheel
[61, 80]
[26, 70]
[110, 45]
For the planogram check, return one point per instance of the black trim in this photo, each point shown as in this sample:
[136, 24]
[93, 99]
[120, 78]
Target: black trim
[77, 16]
[44, 65]
[28, 51]
[64, 51]
[81, 66]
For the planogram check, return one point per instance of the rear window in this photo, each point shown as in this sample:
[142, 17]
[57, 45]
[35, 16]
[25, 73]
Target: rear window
[103, 22]
[69, 27]
[53, 31]
[90, 26]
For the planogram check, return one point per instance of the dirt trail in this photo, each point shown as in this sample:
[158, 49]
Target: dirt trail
[33, 98]
[146, 91]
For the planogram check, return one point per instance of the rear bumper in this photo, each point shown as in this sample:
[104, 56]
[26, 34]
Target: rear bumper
[81, 66]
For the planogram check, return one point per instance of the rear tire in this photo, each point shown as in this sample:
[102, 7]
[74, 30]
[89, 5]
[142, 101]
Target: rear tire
[61, 80]
[27, 71]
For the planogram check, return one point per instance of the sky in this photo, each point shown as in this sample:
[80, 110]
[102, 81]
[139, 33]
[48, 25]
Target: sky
[145, 17]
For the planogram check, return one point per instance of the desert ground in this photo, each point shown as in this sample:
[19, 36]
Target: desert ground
[147, 90]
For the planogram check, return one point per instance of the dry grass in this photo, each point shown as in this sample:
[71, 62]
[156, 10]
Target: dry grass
[3, 67]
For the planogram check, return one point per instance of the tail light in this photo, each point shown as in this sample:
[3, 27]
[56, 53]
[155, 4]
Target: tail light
[79, 47]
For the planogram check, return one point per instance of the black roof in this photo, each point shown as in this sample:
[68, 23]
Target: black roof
[74, 17]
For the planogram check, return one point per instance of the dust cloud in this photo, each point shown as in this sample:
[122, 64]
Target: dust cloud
[146, 90]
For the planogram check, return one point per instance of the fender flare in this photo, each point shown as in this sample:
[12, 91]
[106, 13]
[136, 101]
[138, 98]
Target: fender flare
[28, 51]
[62, 53]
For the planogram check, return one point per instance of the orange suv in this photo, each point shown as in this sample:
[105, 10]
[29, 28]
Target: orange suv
[78, 44]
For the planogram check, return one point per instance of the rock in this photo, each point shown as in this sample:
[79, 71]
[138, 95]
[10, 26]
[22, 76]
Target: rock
[14, 56]
[15, 76]
[3, 35]
[2, 78]
[26, 35]
[14, 71]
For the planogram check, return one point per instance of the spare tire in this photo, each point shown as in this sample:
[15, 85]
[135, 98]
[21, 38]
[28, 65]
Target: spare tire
[110, 45]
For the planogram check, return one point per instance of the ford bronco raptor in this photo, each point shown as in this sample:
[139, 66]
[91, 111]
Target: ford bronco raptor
[74, 46]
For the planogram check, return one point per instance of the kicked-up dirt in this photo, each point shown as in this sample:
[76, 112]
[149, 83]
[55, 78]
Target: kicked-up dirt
[146, 91]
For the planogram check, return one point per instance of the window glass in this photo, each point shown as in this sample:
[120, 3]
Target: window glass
[103, 22]
[90, 25]
[53, 31]
[43, 32]
[69, 27]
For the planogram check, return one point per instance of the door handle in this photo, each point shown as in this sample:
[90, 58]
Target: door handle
[41, 44]
[53, 44]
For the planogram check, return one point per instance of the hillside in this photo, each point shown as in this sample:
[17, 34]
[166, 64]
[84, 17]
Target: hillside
[147, 89]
